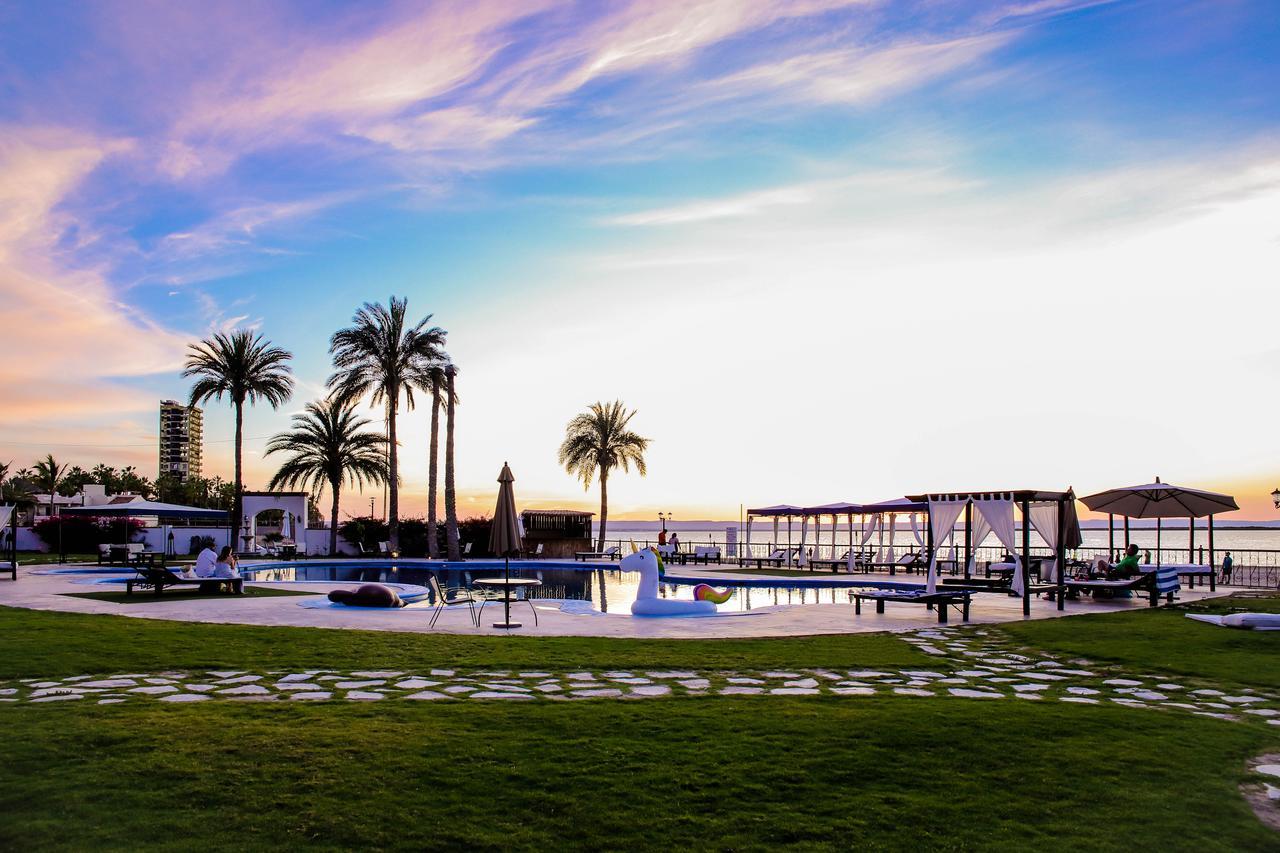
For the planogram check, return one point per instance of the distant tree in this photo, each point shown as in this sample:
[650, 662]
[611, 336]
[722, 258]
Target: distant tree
[77, 478]
[48, 477]
[246, 368]
[328, 446]
[596, 442]
[381, 354]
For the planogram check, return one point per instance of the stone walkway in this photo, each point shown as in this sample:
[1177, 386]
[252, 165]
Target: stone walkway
[972, 664]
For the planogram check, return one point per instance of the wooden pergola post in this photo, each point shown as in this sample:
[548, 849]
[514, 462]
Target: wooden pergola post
[1060, 553]
[1213, 586]
[968, 536]
[1026, 557]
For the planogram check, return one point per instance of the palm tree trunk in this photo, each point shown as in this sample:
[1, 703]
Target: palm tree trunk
[238, 504]
[450, 497]
[333, 518]
[604, 505]
[433, 538]
[393, 462]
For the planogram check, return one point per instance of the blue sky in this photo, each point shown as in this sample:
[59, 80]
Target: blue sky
[824, 247]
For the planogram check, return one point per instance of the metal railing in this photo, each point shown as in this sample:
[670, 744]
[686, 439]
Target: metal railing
[1255, 568]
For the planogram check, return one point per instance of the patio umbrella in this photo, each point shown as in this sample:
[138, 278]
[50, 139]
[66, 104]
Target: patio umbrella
[504, 535]
[1159, 500]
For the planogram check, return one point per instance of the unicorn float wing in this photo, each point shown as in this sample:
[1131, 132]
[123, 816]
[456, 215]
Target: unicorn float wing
[647, 603]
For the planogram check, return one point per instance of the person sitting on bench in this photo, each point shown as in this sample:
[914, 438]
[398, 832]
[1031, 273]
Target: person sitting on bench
[1127, 567]
[206, 560]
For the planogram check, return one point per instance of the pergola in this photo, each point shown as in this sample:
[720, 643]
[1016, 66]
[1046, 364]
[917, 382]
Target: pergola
[1051, 513]
[788, 511]
[151, 509]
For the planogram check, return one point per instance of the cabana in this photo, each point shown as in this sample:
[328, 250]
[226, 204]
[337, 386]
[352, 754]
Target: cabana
[154, 509]
[775, 512]
[1052, 514]
[914, 509]
[1160, 501]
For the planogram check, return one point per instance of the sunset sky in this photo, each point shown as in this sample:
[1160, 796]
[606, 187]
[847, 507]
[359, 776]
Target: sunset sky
[829, 250]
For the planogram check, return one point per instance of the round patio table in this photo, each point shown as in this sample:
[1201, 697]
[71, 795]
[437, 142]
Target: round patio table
[508, 586]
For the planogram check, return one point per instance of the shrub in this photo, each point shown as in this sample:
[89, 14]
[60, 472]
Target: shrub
[83, 534]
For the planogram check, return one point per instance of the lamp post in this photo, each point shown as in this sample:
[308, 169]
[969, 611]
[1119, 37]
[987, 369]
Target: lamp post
[1275, 497]
[664, 517]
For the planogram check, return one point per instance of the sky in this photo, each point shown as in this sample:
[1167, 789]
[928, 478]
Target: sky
[826, 250]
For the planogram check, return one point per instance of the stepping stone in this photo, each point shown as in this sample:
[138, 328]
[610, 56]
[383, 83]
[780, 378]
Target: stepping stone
[487, 673]
[72, 678]
[1122, 682]
[1241, 700]
[829, 676]
[743, 680]
[548, 688]
[974, 694]
[1261, 712]
[1206, 692]
[1215, 715]
[356, 685]
[243, 679]
[8, 691]
[364, 695]
[50, 691]
[497, 694]
[606, 692]
[1083, 691]
[1022, 688]
[427, 695]
[158, 680]
[510, 688]
[1268, 769]
[158, 689]
[734, 690]
[680, 673]
[185, 697]
[803, 682]
[330, 678]
[446, 673]
[59, 697]
[698, 683]
[110, 701]
[246, 690]
[651, 690]
[1083, 673]
[1044, 676]
[868, 673]
[618, 675]
[782, 675]
[1028, 696]
[582, 676]
[911, 691]
[635, 680]
[1149, 695]
[1171, 687]
[1079, 699]
[297, 676]
[535, 675]
[415, 684]
[314, 694]
[853, 691]
[385, 675]
[974, 673]
[297, 685]
[110, 683]
[931, 650]
[1001, 680]
[1127, 702]
[459, 688]
[1185, 705]
[922, 673]
[795, 691]
[218, 673]
[200, 688]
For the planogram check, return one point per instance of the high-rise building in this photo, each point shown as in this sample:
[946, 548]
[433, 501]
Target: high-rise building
[181, 440]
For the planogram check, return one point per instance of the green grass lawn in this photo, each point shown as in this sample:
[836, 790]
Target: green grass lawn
[49, 644]
[1164, 639]
[686, 773]
[39, 558]
[148, 597]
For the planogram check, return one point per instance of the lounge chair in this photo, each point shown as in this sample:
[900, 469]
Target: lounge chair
[613, 552]
[958, 598]
[449, 596]
[1162, 581]
[860, 561]
[776, 558]
[910, 562]
[535, 552]
[384, 549]
[157, 578]
[705, 554]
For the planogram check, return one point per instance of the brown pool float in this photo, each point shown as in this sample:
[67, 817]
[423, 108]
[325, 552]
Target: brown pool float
[368, 595]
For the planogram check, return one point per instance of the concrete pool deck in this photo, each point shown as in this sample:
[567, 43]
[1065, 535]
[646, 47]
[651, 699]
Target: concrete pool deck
[51, 592]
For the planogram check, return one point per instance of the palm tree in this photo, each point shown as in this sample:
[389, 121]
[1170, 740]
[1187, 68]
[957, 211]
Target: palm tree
[596, 442]
[48, 476]
[330, 448]
[450, 494]
[245, 367]
[430, 378]
[381, 353]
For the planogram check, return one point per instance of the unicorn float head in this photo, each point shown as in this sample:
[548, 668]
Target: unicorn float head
[649, 564]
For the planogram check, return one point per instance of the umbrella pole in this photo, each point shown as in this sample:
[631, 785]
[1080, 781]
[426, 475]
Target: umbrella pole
[1111, 536]
[1159, 528]
[506, 593]
[1126, 532]
[1213, 584]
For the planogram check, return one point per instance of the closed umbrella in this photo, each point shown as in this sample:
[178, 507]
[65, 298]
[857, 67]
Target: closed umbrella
[504, 535]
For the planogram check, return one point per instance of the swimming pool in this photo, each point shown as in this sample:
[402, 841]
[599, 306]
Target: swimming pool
[605, 586]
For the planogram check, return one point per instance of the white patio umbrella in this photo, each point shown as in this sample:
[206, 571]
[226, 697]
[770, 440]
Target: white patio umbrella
[1159, 500]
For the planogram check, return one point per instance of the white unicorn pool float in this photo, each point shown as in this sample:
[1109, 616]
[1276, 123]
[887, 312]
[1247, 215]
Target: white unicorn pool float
[647, 603]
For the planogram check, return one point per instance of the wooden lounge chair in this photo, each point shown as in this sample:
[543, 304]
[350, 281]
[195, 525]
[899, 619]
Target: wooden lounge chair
[613, 552]
[1162, 581]
[909, 562]
[776, 558]
[958, 598]
[157, 578]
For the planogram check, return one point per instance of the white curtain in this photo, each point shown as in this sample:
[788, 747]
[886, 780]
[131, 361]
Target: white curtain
[893, 526]
[942, 523]
[915, 528]
[1044, 518]
[747, 546]
[999, 515]
[804, 534]
[981, 529]
[5, 512]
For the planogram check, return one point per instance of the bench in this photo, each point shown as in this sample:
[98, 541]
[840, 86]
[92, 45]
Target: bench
[158, 578]
[957, 598]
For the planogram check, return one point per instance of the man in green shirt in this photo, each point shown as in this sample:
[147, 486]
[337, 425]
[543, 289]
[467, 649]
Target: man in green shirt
[1128, 565]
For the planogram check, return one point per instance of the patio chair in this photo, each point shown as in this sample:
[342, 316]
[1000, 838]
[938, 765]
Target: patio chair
[776, 558]
[448, 596]
[613, 552]
[535, 553]
[384, 549]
